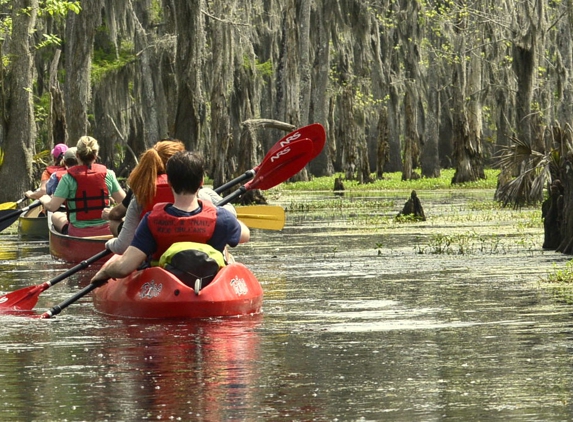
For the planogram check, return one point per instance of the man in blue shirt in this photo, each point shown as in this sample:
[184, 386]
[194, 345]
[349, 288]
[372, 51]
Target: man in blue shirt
[188, 219]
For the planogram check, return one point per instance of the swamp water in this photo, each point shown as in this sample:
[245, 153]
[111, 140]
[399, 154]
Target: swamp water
[365, 319]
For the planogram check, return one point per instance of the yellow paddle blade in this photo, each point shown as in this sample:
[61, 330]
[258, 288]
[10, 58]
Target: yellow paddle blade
[8, 206]
[267, 217]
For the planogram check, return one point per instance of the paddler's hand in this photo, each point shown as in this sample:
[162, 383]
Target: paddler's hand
[105, 213]
[100, 278]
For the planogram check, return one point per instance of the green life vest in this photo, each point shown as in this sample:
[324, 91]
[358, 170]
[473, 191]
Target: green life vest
[195, 264]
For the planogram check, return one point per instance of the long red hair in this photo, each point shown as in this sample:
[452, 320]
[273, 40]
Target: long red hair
[152, 164]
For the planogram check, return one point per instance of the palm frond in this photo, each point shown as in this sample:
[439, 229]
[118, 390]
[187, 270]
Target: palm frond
[525, 173]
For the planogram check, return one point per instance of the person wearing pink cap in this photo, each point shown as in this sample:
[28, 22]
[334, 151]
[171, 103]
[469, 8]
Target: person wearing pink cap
[58, 156]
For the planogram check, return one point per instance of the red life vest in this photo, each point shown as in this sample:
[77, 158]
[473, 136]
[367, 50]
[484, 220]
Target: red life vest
[92, 195]
[52, 169]
[168, 229]
[163, 193]
[60, 173]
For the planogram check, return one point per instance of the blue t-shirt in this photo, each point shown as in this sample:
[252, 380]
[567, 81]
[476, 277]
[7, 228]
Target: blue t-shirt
[52, 184]
[227, 230]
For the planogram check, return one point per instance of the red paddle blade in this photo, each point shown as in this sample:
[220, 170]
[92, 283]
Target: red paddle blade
[285, 163]
[315, 132]
[22, 300]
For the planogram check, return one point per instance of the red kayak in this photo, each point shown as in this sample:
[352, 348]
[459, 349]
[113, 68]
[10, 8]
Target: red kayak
[74, 249]
[155, 293]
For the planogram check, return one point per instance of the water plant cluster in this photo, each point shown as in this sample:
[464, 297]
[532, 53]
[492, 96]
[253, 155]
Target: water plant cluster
[561, 275]
[473, 242]
[393, 181]
[460, 219]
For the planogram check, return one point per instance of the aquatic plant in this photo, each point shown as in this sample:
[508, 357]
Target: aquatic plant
[561, 275]
[473, 242]
[393, 181]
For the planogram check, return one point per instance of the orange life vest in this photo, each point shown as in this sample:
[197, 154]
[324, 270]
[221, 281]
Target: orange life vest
[168, 229]
[53, 169]
[92, 194]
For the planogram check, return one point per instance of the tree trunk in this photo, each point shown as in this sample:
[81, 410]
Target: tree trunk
[223, 61]
[566, 229]
[529, 29]
[468, 159]
[304, 73]
[290, 65]
[57, 127]
[145, 87]
[524, 67]
[348, 139]
[19, 125]
[80, 35]
[190, 114]
[395, 162]
[430, 159]
[323, 164]
[383, 147]
[409, 125]
[563, 42]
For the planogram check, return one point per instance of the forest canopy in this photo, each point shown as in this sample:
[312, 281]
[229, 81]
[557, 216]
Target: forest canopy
[409, 86]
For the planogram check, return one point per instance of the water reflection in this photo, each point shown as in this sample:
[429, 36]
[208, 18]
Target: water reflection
[175, 370]
[181, 369]
[357, 325]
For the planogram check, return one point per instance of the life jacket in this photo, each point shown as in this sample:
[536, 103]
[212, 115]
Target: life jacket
[163, 193]
[92, 194]
[60, 173]
[168, 229]
[53, 169]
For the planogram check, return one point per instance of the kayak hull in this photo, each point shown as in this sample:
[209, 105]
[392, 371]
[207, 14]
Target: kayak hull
[154, 293]
[33, 225]
[74, 249]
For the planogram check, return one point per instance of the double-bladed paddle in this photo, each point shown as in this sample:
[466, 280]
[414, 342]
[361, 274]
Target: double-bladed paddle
[55, 310]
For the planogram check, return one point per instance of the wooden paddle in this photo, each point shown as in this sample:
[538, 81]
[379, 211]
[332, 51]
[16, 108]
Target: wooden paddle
[315, 132]
[9, 218]
[267, 217]
[275, 169]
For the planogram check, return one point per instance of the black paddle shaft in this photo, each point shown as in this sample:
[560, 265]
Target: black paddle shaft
[249, 174]
[59, 308]
[84, 264]
[83, 292]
